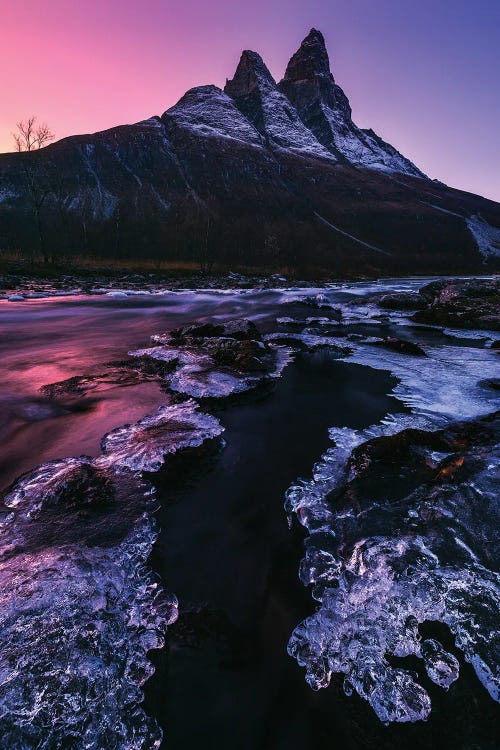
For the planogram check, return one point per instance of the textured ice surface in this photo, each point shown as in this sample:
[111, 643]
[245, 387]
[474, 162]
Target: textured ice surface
[79, 609]
[445, 383]
[144, 445]
[382, 563]
[308, 340]
[208, 367]
[379, 568]
[416, 542]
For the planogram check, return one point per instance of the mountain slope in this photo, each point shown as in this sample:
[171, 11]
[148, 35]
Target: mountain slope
[256, 95]
[325, 110]
[256, 175]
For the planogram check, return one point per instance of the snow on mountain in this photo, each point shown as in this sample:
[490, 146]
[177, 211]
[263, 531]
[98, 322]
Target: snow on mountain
[256, 95]
[206, 111]
[325, 110]
[487, 238]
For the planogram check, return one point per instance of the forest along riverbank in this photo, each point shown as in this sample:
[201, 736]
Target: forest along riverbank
[320, 359]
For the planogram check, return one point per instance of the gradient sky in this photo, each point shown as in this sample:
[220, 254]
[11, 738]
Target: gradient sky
[424, 75]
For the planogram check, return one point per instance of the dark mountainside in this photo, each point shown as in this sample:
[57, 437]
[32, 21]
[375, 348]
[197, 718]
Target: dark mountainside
[259, 175]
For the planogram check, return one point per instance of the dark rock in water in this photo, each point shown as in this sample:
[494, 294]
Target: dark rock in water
[123, 373]
[401, 301]
[235, 329]
[76, 500]
[398, 345]
[495, 344]
[217, 360]
[309, 341]
[399, 463]
[461, 304]
[491, 383]
[244, 355]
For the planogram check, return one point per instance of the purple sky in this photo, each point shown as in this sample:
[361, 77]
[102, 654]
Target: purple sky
[424, 75]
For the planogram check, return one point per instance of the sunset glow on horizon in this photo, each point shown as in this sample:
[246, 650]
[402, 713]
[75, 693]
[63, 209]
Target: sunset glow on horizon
[424, 78]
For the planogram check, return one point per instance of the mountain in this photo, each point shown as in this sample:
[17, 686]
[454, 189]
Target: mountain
[259, 175]
[325, 111]
[255, 93]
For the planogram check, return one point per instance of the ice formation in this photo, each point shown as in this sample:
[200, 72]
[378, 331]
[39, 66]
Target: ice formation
[144, 445]
[80, 609]
[385, 558]
[217, 360]
[408, 539]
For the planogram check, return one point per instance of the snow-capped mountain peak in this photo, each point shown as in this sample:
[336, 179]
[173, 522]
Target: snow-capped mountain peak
[324, 108]
[257, 96]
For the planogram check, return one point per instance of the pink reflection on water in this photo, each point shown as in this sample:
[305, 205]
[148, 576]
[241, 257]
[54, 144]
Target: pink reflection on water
[45, 341]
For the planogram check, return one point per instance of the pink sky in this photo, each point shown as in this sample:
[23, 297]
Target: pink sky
[425, 79]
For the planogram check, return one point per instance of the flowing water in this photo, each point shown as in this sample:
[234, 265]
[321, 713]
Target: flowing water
[222, 503]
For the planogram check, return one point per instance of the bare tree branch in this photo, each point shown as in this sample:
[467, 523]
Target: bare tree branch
[30, 136]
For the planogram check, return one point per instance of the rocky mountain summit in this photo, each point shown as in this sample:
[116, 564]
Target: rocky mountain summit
[260, 174]
[324, 108]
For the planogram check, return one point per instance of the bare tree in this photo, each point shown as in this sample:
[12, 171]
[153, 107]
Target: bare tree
[31, 136]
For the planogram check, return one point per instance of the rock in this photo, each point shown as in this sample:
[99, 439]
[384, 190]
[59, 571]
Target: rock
[473, 304]
[398, 345]
[325, 110]
[120, 373]
[491, 383]
[245, 356]
[236, 329]
[256, 95]
[401, 301]
[217, 360]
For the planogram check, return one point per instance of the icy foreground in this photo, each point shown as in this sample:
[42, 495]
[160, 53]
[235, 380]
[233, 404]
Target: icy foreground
[80, 609]
[402, 517]
[382, 563]
[213, 361]
[403, 522]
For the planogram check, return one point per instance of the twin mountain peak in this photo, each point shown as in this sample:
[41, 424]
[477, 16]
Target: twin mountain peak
[260, 174]
[306, 112]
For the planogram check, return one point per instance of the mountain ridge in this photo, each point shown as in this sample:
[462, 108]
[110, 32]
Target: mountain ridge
[260, 173]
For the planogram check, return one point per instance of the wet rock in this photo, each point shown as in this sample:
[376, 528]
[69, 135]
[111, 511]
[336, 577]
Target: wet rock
[241, 329]
[308, 341]
[121, 373]
[461, 304]
[401, 301]
[398, 345]
[245, 355]
[217, 360]
[491, 383]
